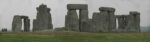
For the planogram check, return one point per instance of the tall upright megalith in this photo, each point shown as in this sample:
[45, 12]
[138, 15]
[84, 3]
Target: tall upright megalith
[122, 23]
[104, 20]
[43, 19]
[17, 24]
[112, 19]
[35, 25]
[100, 21]
[26, 23]
[134, 21]
[83, 16]
[72, 21]
[84, 20]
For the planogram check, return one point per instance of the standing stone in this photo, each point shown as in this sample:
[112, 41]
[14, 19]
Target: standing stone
[107, 18]
[95, 19]
[35, 26]
[105, 21]
[112, 19]
[129, 23]
[134, 21]
[83, 15]
[72, 21]
[43, 20]
[123, 23]
[26, 25]
[17, 24]
[101, 21]
[83, 20]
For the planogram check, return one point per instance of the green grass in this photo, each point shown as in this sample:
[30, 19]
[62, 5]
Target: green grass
[73, 38]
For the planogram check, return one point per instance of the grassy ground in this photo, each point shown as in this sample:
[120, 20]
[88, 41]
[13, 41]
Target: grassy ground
[74, 37]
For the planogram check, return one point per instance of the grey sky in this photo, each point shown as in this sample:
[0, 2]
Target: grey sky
[9, 8]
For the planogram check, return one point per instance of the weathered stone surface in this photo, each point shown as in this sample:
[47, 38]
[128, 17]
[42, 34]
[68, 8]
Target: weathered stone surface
[72, 21]
[134, 21]
[122, 23]
[83, 16]
[107, 9]
[101, 21]
[95, 19]
[26, 25]
[90, 26]
[104, 21]
[112, 20]
[17, 23]
[35, 26]
[77, 6]
[43, 20]
[83, 20]
[129, 23]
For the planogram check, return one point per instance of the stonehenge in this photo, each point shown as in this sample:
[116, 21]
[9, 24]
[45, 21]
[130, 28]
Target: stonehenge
[43, 19]
[17, 23]
[134, 23]
[103, 21]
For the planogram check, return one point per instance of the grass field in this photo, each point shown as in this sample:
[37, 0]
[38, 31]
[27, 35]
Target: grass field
[73, 37]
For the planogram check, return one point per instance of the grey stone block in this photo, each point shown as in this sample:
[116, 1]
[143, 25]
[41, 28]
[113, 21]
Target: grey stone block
[77, 6]
[43, 19]
[134, 23]
[123, 23]
[83, 16]
[17, 23]
[72, 21]
[83, 20]
[129, 23]
[110, 9]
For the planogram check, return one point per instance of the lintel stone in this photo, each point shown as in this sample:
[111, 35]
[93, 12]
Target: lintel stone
[77, 6]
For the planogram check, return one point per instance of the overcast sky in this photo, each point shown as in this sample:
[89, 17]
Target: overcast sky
[9, 8]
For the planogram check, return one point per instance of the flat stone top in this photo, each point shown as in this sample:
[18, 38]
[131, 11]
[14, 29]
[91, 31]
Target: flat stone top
[21, 16]
[107, 9]
[122, 15]
[77, 6]
[134, 13]
[17, 15]
[24, 16]
[96, 13]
